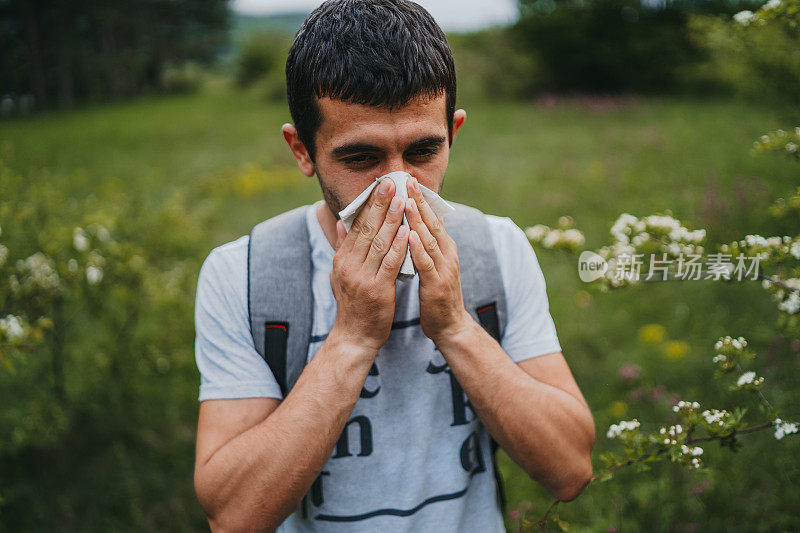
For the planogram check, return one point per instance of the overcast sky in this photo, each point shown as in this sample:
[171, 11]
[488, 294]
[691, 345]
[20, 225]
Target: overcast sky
[450, 14]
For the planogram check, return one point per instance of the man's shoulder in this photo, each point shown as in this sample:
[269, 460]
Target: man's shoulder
[505, 233]
[227, 261]
[233, 250]
[511, 245]
[499, 226]
[500, 223]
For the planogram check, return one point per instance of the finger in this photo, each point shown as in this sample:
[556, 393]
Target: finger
[430, 242]
[434, 222]
[393, 260]
[341, 234]
[383, 240]
[370, 218]
[425, 265]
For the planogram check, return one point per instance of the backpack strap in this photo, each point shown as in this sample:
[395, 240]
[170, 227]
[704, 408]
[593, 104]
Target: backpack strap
[279, 271]
[481, 286]
[481, 280]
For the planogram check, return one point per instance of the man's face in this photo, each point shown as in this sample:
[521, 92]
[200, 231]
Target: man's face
[357, 143]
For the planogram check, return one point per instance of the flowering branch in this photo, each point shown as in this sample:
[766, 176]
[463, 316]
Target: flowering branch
[677, 252]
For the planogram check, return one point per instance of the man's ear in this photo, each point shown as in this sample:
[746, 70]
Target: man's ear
[298, 149]
[458, 120]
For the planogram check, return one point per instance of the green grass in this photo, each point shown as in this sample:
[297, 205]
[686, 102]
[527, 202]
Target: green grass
[591, 159]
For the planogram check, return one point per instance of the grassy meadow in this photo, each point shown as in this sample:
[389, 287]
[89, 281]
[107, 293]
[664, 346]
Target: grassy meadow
[220, 156]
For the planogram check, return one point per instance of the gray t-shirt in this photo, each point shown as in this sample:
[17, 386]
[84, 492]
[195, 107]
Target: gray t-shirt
[413, 456]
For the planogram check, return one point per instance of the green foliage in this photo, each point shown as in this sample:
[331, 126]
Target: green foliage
[606, 45]
[64, 53]
[676, 443]
[758, 60]
[490, 64]
[262, 59]
[100, 392]
[185, 78]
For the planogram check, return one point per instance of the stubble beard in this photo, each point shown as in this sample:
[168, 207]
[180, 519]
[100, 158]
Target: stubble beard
[332, 199]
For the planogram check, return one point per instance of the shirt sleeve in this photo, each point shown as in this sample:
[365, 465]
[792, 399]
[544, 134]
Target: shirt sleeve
[530, 331]
[229, 365]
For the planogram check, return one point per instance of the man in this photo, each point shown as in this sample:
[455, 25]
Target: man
[371, 88]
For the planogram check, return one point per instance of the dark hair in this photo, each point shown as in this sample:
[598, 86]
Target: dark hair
[373, 52]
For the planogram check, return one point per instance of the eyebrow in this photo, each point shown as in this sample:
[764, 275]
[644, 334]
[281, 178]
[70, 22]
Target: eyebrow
[359, 147]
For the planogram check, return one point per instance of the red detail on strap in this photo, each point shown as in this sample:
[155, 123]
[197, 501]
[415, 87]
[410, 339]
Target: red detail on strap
[275, 326]
[482, 309]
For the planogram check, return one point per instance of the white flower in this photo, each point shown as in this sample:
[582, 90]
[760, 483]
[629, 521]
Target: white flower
[40, 271]
[715, 417]
[12, 327]
[103, 233]
[79, 240]
[615, 430]
[771, 4]
[784, 428]
[535, 233]
[574, 237]
[791, 305]
[744, 17]
[3, 254]
[791, 147]
[794, 249]
[622, 227]
[754, 240]
[689, 406]
[94, 275]
[552, 238]
[747, 377]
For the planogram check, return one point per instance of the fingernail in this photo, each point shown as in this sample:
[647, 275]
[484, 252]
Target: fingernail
[383, 188]
[416, 185]
[395, 205]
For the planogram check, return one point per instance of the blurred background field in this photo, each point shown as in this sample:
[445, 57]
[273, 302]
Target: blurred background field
[119, 198]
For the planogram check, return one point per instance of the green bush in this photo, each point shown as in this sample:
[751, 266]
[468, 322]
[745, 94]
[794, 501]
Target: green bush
[491, 64]
[185, 78]
[605, 45]
[262, 54]
[756, 60]
[96, 366]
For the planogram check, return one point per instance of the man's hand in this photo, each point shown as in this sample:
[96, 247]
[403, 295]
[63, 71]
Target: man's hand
[367, 261]
[435, 254]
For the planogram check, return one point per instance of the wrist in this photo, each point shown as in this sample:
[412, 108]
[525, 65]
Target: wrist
[460, 330]
[352, 344]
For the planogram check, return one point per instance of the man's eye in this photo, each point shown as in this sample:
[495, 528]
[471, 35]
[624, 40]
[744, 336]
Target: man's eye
[423, 153]
[358, 159]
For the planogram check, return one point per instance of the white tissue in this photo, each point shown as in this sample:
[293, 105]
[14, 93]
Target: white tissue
[440, 207]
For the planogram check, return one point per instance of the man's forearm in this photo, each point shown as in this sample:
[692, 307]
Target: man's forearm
[258, 478]
[544, 429]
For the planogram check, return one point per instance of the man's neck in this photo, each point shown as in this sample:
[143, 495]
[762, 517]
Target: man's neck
[328, 222]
